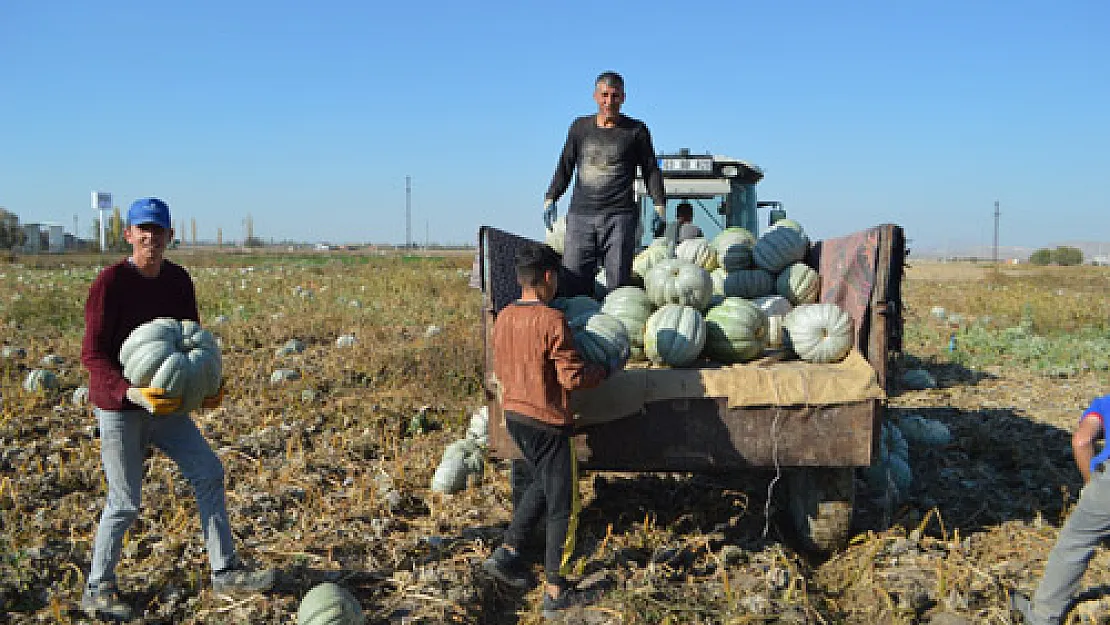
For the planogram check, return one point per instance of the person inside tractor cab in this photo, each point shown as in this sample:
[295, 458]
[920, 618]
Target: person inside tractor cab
[684, 213]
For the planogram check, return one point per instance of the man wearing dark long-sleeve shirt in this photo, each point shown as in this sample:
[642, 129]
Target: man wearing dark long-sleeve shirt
[602, 220]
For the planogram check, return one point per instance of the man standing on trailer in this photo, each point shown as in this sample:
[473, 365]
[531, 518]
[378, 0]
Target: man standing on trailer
[605, 149]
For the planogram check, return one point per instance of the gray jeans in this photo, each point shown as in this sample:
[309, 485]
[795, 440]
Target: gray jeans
[1086, 527]
[124, 437]
[608, 239]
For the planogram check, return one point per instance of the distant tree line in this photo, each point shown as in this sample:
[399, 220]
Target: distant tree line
[1062, 255]
[11, 234]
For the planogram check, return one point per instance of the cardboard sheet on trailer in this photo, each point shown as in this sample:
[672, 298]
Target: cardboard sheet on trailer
[789, 383]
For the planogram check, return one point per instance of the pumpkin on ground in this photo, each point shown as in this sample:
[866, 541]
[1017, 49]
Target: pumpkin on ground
[798, 283]
[778, 248]
[556, 237]
[735, 331]
[632, 307]
[676, 281]
[650, 257]
[749, 283]
[178, 356]
[674, 335]
[329, 604]
[601, 338]
[775, 307]
[698, 251]
[40, 380]
[819, 333]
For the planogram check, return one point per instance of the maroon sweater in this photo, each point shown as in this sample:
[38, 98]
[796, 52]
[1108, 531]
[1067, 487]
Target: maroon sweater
[120, 300]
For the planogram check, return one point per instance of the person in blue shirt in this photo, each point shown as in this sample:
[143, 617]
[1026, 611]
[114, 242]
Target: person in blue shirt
[1086, 527]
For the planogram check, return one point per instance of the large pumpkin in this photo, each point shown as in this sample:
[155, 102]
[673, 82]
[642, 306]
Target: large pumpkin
[730, 236]
[632, 307]
[572, 307]
[778, 248]
[697, 251]
[178, 356]
[329, 604]
[650, 257]
[749, 283]
[798, 283]
[676, 281]
[734, 248]
[819, 332]
[735, 331]
[674, 335]
[557, 235]
[601, 338]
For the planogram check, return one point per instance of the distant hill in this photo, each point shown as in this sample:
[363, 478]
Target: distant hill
[1090, 249]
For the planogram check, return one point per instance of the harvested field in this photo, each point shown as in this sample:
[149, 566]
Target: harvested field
[328, 474]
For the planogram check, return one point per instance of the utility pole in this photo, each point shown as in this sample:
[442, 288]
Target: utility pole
[996, 213]
[408, 212]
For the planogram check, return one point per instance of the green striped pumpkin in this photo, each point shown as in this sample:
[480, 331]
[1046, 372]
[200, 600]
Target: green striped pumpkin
[632, 307]
[572, 307]
[733, 235]
[329, 604]
[734, 248]
[601, 338]
[798, 283]
[674, 335]
[736, 331]
[676, 281]
[778, 248]
[749, 283]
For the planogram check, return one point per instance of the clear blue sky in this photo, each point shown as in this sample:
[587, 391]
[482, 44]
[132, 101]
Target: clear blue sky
[308, 116]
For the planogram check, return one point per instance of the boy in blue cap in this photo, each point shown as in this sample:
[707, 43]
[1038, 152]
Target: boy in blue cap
[125, 295]
[1086, 527]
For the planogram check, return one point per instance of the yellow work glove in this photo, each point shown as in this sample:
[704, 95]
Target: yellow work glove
[214, 401]
[153, 400]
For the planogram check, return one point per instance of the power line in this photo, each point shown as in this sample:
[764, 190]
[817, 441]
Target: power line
[996, 213]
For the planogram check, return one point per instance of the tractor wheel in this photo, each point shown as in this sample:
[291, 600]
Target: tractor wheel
[820, 504]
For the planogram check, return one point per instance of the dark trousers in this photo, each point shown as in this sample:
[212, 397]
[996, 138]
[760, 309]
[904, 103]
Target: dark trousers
[550, 464]
[608, 239]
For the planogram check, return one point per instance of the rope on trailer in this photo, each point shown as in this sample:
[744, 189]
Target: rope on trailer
[775, 450]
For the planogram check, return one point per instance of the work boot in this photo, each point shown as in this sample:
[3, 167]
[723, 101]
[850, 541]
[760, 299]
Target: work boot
[554, 607]
[103, 601]
[1022, 605]
[241, 579]
[506, 568]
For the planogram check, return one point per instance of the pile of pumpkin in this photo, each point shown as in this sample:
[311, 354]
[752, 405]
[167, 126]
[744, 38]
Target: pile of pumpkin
[727, 300]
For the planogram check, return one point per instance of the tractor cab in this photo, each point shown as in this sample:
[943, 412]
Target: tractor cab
[720, 188]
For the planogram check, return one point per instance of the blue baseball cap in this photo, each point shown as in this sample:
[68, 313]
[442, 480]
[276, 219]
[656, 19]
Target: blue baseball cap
[149, 210]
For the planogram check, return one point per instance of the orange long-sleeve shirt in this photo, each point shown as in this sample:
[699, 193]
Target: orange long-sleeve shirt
[536, 363]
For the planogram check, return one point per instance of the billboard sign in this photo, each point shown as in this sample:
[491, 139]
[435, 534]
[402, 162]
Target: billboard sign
[101, 200]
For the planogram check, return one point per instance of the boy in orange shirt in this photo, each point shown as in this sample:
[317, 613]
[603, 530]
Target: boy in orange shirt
[537, 365]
